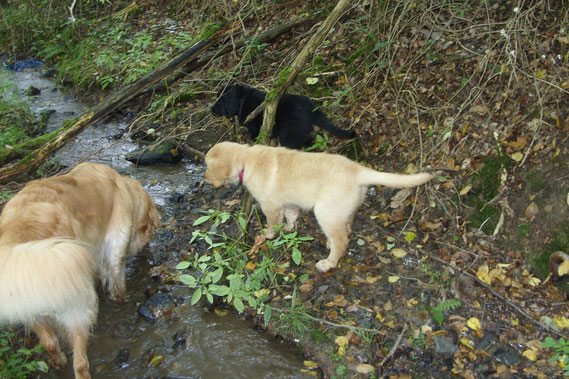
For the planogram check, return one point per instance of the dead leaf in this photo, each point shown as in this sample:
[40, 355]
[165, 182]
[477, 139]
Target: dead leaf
[393, 278]
[399, 198]
[473, 323]
[341, 341]
[412, 302]
[310, 364]
[481, 109]
[530, 354]
[365, 368]
[468, 343]
[372, 279]
[250, 265]
[517, 156]
[465, 190]
[340, 300]
[519, 143]
[563, 268]
[398, 253]
[482, 274]
[531, 211]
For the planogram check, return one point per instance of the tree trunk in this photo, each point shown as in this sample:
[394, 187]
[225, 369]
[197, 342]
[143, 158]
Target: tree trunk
[104, 108]
[289, 73]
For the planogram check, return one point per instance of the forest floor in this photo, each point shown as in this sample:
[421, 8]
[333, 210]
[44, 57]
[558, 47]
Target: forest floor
[446, 280]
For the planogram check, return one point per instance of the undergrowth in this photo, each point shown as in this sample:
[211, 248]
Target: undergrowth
[224, 269]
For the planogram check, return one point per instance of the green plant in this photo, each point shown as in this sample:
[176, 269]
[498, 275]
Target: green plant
[561, 348]
[290, 240]
[419, 341]
[17, 362]
[17, 122]
[438, 311]
[320, 143]
[226, 271]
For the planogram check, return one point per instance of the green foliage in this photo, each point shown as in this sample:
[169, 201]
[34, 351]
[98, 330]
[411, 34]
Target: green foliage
[94, 50]
[438, 311]
[320, 143]
[17, 362]
[561, 348]
[17, 122]
[225, 270]
[560, 241]
[485, 185]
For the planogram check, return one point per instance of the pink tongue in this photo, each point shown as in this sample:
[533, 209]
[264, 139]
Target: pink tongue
[241, 176]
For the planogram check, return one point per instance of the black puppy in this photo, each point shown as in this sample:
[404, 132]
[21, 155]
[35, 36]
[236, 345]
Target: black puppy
[296, 115]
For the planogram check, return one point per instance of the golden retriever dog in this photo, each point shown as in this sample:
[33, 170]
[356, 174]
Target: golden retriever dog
[284, 180]
[57, 236]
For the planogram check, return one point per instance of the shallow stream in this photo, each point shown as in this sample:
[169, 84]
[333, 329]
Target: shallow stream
[191, 343]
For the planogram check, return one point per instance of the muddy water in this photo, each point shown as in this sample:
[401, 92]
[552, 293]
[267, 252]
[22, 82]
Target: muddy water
[190, 343]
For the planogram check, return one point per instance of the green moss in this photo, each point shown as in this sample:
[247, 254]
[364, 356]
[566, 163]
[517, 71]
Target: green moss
[283, 76]
[539, 265]
[485, 185]
[209, 30]
[560, 241]
[534, 182]
[523, 231]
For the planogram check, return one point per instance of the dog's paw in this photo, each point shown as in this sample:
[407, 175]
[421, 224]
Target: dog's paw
[57, 360]
[269, 234]
[118, 296]
[324, 265]
[289, 228]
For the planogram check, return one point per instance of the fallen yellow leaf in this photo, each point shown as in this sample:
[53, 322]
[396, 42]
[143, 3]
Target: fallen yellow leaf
[468, 343]
[398, 253]
[534, 282]
[473, 323]
[465, 190]
[561, 321]
[365, 368]
[482, 274]
[563, 268]
[530, 354]
[379, 317]
[393, 278]
[310, 364]
[250, 266]
[517, 156]
[372, 279]
[412, 302]
[341, 341]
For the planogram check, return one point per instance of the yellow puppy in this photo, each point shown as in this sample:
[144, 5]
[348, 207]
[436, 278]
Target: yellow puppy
[57, 236]
[284, 181]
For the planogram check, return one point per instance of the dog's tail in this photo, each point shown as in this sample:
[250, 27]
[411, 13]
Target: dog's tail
[320, 119]
[367, 176]
[52, 277]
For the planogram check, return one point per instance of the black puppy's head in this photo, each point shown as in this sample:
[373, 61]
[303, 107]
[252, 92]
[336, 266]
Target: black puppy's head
[228, 101]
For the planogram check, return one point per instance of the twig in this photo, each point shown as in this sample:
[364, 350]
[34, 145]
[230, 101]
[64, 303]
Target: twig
[72, 17]
[191, 150]
[394, 348]
[333, 324]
